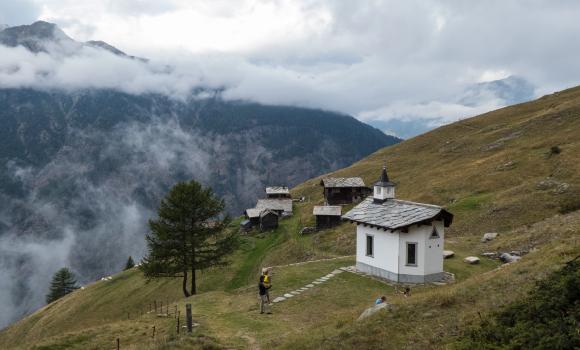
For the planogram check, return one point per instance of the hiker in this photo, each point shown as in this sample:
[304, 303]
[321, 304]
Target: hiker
[407, 292]
[381, 300]
[264, 302]
[266, 276]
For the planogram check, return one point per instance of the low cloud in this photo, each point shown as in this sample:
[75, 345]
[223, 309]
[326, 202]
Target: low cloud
[78, 216]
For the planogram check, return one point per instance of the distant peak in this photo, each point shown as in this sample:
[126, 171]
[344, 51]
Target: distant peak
[43, 24]
[36, 37]
[103, 45]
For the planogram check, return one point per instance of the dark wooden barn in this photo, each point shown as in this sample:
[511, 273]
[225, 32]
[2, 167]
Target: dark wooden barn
[344, 190]
[253, 215]
[282, 207]
[268, 220]
[327, 216]
[277, 192]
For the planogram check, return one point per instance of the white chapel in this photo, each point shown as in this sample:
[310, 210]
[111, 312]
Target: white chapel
[399, 240]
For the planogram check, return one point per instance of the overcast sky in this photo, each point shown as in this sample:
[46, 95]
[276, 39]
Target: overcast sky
[377, 60]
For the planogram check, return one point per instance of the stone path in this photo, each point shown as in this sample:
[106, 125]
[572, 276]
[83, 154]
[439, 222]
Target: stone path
[449, 278]
[309, 286]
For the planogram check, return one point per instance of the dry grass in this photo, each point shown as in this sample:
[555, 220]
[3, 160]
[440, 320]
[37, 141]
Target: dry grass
[495, 172]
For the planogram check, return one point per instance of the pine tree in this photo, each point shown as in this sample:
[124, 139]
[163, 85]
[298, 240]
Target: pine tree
[63, 282]
[130, 263]
[188, 235]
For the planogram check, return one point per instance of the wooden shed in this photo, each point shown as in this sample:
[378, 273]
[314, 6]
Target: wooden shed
[344, 190]
[327, 216]
[282, 207]
[253, 215]
[268, 220]
[274, 192]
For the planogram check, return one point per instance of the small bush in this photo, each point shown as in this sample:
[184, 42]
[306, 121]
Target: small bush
[546, 319]
[555, 150]
[570, 203]
[446, 299]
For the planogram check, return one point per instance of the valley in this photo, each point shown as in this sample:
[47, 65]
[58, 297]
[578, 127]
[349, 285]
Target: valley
[513, 171]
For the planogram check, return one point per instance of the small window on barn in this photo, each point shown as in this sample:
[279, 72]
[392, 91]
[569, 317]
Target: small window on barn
[412, 254]
[434, 233]
[370, 245]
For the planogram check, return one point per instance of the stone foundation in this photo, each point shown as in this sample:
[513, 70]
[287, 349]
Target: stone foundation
[400, 278]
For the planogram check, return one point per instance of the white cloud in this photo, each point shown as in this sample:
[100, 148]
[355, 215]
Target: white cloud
[353, 57]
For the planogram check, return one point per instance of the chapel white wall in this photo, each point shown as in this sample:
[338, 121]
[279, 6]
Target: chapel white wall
[416, 234]
[386, 248]
[434, 250]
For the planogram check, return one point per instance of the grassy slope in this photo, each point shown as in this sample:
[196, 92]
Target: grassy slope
[486, 169]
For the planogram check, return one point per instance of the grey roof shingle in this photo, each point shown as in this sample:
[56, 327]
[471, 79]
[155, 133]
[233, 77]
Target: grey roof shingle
[332, 210]
[343, 182]
[277, 190]
[266, 212]
[395, 213]
[275, 204]
[253, 212]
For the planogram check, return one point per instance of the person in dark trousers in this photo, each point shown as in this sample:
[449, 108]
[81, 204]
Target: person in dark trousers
[266, 277]
[264, 302]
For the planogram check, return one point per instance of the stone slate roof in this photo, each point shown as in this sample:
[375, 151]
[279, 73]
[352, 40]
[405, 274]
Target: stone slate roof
[334, 182]
[277, 190]
[266, 212]
[332, 210]
[275, 204]
[253, 212]
[396, 214]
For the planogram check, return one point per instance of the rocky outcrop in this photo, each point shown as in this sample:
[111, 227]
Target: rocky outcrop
[490, 236]
[508, 258]
[472, 260]
[373, 310]
[448, 254]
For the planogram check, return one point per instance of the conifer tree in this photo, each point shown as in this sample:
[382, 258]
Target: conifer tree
[188, 235]
[63, 282]
[130, 263]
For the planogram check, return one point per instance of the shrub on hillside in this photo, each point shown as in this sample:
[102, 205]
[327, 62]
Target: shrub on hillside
[570, 202]
[546, 319]
[555, 150]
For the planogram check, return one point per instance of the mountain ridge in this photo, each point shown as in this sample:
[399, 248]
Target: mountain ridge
[497, 172]
[42, 36]
[84, 169]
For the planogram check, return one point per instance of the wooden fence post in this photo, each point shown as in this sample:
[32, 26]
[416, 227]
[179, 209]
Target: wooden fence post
[153, 332]
[178, 314]
[188, 318]
[118, 344]
[155, 305]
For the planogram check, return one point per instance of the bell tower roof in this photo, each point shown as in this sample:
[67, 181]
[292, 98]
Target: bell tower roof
[384, 179]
